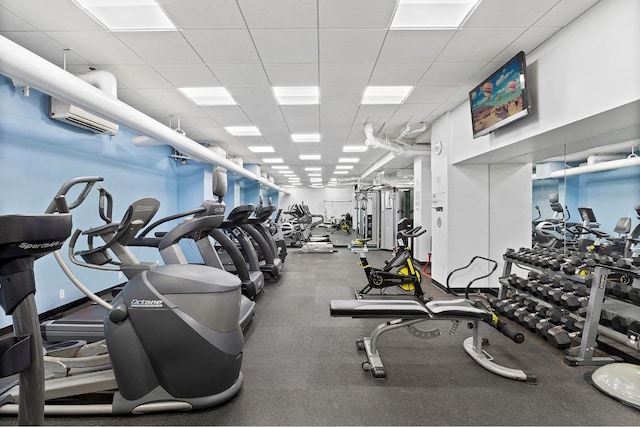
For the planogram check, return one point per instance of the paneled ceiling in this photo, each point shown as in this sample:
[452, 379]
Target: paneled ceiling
[250, 46]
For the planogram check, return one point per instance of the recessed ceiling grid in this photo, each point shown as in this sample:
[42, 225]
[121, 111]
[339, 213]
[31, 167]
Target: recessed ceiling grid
[249, 46]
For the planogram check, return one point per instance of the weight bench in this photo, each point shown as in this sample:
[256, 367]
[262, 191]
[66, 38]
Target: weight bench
[408, 313]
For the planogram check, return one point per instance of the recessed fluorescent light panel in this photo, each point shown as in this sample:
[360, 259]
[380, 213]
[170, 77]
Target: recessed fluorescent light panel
[340, 172]
[286, 172]
[344, 167]
[272, 160]
[262, 149]
[433, 14]
[305, 137]
[243, 130]
[354, 148]
[315, 179]
[128, 15]
[348, 160]
[314, 174]
[305, 95]
[280, 167]
[385, 94]
[313, 169]
[310, 157]
[208, 95]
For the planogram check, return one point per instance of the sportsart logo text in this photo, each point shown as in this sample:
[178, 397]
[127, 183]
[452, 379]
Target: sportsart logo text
[25, 245]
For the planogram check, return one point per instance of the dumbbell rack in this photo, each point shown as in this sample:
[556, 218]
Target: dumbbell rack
[582, 355]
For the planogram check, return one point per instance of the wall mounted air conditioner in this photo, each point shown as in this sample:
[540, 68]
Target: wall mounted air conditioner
[76, 116]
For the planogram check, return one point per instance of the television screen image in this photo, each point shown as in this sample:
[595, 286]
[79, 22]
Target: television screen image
[501, 98]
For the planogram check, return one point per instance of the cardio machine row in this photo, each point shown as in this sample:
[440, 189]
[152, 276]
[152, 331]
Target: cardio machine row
[197, 305]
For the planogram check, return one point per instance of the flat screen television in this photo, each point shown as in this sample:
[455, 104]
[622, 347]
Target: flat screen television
[501, 98]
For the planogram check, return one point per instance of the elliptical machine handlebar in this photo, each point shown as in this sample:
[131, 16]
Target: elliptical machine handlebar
[60, 198]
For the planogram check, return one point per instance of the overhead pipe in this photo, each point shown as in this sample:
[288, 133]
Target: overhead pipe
[407, 131]
[597, 167]
[374, 142]
[31, 70]
[374, 167]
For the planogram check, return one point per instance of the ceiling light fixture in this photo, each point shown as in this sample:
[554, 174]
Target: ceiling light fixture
[432, 14]
[344, 167]
[280, 167]
[385, 94]
[272, 160]
[337, 172]
[261, 149]
[310, 157]
[348, 160]
[304, 95]
[128, 15]
[313, 169]
[208, 95]
[354, 148]
[243, 130]
[314, 174]
[305, 137]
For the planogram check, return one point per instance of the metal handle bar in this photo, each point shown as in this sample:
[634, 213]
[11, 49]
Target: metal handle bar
[466, 292]
[62, 192]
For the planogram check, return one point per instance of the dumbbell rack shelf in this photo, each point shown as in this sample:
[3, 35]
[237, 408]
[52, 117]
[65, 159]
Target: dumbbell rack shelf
[583, 354]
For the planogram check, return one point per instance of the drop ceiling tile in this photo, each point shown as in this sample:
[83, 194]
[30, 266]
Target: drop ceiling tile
[45, 47]
[155, 112]
[292, 74]
[382, 111]
[414, 45]
[346, 111]
[356, 13]
[518, 13]
[253, 95]
[300, 111]
[286, 46]
[84, 43]
[564, 12]
[204, 14]
[448, 74]
[279, 13]
[303, 124]
[165, 97]
[240, 75]
[252, 140]
[349, 46]
[137, 76]
[160, 47]
[413, 113]
[478, 44]
[430, 94]
[223, 46]
[203, 121]
[11, 22]
[334, 74]
[341, 95]
[527, 42]
[188, 75]
[397, 74]
[228, 115]
[49, 15]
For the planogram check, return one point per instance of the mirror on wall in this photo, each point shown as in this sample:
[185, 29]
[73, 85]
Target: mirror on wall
[586, 199]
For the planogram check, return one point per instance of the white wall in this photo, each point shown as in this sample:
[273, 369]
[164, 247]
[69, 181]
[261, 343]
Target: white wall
[422, 205]
[328, 201]
[589, 67]
[486, 207]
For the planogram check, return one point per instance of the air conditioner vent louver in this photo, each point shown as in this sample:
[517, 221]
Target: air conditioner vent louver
[75, 116]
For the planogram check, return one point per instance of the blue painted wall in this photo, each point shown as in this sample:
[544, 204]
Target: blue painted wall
[611, 195]
[37, 155]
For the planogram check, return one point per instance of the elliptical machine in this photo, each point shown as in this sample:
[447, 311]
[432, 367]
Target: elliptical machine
[193, 363]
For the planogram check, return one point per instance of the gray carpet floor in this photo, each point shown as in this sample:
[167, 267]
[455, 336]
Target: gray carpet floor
[301, 367]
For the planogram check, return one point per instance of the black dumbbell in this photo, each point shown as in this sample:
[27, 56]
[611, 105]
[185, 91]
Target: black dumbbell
[606, 316]
[576, 299]
[634, 295]
[635, 261]
[621, 324]
[620, 290]
[560, 338]
[623, 263]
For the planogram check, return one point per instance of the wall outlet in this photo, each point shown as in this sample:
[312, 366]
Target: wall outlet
[61, 293]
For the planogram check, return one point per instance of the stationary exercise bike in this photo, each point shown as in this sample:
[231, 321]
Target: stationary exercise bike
[399, 272]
